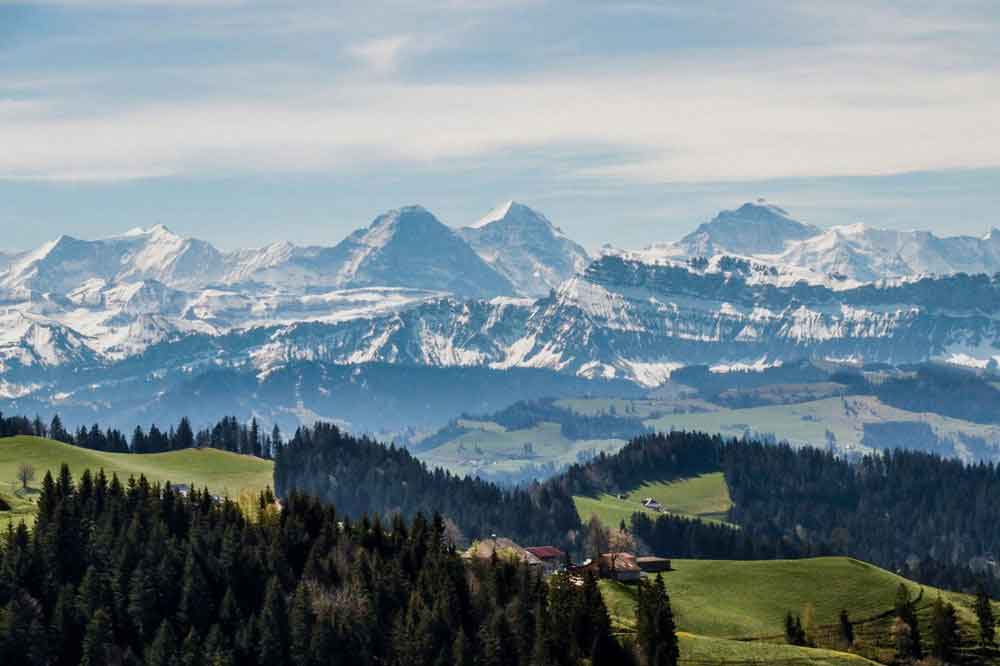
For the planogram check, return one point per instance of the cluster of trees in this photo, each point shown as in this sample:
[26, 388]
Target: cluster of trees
[360, 476]
[227, 434]
[799, 502]
[136, 574]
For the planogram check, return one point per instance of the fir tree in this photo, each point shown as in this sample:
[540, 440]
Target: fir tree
[98, 640]
[846, 629]
[300, 627]
[163, 649]
[945, 637]
[984, 613]
[272, 629]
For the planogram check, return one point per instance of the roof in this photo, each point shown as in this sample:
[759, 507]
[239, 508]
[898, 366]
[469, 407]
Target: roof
[620, 561]
[546, 552]
[651, 559]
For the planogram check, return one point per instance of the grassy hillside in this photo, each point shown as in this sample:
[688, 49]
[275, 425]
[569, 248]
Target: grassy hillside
[487, 448]
[718, 601]
[705, 496]
[222, 472]
[708, 650]
[735, 599]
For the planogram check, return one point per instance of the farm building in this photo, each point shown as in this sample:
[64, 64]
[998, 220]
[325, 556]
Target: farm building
[619, 566]
[551, 557]
[652, 565]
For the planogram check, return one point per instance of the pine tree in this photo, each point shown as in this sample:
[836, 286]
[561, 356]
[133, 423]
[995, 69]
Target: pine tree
[907, 613]
[846, 629]
[191, 650]
[984, 613]
[656, 633]
[272, 629]
[300, 626]
[945, 637]
[98, 640]
[161, 651]
[142, 605]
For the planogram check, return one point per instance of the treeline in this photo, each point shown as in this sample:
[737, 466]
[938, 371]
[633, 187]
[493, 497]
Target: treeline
[361, 476]
[137, 574]
[228, 434]
[883, 508]
[530, 413]
[936, 519]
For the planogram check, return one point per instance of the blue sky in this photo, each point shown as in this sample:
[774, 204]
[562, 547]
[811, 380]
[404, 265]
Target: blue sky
[627, 122]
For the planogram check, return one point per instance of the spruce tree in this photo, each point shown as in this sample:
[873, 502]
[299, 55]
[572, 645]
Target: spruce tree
[97, 640]
[984, 613]
[300, 627]
[945, 637]
[272, 625]
[846, 629]
[162, 650]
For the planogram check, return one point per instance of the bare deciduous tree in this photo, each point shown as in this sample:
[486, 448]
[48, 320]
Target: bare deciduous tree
[25, 473]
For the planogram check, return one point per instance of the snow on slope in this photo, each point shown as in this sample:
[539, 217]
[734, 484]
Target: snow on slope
[409, 247]
[526, 248]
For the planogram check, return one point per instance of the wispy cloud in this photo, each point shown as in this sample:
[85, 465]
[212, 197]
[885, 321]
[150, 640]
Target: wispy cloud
[382, 54]
[817, 95]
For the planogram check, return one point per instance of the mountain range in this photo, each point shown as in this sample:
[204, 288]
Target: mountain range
[148, 314]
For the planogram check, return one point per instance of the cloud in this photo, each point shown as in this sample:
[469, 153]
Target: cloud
[899, 96]
[684, 126]
[383, 54]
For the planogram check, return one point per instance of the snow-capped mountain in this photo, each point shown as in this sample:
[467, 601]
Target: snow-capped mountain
[865, 254]
[752, 229]
[847, 254]
[143, 314]
[526, 248]
[66, 263]
[409, 247]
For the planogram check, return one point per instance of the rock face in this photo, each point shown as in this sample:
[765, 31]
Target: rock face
[523, 246]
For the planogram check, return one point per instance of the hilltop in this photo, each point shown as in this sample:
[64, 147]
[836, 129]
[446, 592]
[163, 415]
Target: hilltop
[223, 473]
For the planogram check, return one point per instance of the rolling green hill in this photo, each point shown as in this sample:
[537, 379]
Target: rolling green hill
[705, 496]
[222, 472]
[717, 602]
[698, 650]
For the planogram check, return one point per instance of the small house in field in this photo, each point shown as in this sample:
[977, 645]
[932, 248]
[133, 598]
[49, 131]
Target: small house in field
[652, 504]
[653, 565]
[551, 557]
[504, 548]
[618, 566]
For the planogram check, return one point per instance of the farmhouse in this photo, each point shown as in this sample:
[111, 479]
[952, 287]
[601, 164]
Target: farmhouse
[652, 504]
[551, 557]
[618, 566]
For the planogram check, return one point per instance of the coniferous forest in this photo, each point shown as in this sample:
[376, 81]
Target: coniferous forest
[138, 574]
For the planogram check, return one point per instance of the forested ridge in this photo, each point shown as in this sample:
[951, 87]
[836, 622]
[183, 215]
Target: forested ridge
[932, 518]
[138, 574]
[362, 476]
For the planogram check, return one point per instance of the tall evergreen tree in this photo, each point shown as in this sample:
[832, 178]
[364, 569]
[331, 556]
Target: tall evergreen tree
[984, 614]
[98, 641]
[945, 637]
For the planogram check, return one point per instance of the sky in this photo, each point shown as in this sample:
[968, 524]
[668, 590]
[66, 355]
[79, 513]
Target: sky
[245, 122]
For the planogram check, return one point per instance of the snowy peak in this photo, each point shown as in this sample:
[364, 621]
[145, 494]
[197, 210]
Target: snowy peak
[498, 213]
[525, 247]
[410, 247]
[757, 228]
